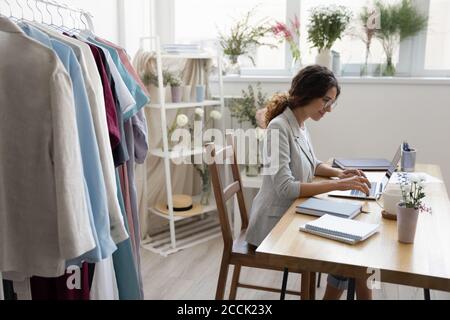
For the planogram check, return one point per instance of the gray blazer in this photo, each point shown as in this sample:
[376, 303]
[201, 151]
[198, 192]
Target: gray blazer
[297, 164]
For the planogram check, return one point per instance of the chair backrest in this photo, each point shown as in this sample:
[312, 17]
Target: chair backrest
[227, 156]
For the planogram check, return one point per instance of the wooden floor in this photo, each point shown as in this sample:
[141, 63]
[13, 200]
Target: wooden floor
[192, 275]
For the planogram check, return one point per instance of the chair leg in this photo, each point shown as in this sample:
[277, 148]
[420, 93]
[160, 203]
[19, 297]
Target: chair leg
[319, 280]
[351, 289]
[284, 285]
[222, 283]
[427, 294]
[235, 282]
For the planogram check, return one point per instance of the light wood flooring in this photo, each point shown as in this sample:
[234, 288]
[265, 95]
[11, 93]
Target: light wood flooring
[192, 275]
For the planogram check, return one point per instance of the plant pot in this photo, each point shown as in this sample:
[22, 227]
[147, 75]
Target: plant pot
[325, 59]
[187, 90]
[154, 95]
[177, 94]
[406, 223]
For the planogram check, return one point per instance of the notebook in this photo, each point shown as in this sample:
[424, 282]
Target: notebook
[363, 164]
[345, 230]
[320, 207]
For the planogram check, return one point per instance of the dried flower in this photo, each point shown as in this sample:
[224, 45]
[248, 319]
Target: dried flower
[199, 112]
[182, 120]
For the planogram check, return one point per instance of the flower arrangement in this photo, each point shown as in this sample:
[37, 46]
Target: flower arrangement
[413, 193]
[243, 36]
[327, 24]
[246, 108]
[289, 34]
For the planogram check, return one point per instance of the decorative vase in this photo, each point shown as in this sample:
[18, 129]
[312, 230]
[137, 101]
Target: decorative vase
[232, 66]
[200, 91]
[389, 69]
[154, 94]
[252, 170]
[187, 90]
[206, 191]
[296, 66]
[325, 59]
[177, 94]
[406, 223]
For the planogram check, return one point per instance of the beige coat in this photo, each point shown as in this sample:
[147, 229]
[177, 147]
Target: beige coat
[297, 164]
[44, 219]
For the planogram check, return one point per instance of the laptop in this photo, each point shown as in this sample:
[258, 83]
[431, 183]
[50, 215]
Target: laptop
[378, 188]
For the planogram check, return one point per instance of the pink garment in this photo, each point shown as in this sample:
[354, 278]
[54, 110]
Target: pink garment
[126, 62]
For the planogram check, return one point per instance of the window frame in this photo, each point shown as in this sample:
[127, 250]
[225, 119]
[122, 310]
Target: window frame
[411, 51]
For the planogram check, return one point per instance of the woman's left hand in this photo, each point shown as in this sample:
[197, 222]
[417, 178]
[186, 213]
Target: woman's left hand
[351, 173]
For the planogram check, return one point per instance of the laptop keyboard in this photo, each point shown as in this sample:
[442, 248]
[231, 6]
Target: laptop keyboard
[373, 191]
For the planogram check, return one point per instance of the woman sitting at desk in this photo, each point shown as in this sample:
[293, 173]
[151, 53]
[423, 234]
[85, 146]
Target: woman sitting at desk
[313, 93]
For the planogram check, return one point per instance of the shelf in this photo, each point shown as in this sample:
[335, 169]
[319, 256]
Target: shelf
[189, 233]
[206, 209]
[172, 106]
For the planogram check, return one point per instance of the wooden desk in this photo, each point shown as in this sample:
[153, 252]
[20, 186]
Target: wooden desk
[426, 264]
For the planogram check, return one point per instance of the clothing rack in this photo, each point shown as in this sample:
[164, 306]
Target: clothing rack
[89, 25]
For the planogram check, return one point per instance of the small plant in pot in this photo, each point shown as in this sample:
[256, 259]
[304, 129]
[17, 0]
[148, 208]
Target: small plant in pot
[327, 24]
[151, 81]
[176, 88]
[413, 194]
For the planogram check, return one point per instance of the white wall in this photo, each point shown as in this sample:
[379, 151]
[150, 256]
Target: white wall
[372, 119]
[105, 16]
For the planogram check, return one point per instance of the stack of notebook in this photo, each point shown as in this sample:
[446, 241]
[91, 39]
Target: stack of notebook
[344, 230]
[320, 207]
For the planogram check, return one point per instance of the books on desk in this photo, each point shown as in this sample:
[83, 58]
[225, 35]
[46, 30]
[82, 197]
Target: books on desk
[363, 164]
[344, 230]
[320, 207]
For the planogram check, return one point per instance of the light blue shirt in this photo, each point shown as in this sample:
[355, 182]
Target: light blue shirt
[95, 184]
[136, 91]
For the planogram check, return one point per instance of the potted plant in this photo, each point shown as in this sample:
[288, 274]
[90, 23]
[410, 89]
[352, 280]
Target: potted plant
[241, 39]
[176, 89]
[150, 80]
[291, 35]
[408, 210]
[247, 109]
[398, 22]
[327, 24]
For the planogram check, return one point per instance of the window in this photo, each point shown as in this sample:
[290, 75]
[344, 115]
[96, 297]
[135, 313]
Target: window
[200, 21]
[351, 47]
[437, 50]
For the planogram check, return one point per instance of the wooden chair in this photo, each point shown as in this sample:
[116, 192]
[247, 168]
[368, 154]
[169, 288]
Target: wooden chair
[239, 253]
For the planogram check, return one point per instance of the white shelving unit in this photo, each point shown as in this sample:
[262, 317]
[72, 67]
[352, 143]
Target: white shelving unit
[184, 232]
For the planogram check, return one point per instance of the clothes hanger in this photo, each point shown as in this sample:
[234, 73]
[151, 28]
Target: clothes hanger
[32, 11]
[40, 12]
[21, 11]
[11, 17]
[61, 28]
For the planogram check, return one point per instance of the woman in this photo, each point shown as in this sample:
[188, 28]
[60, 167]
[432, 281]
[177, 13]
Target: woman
[314, 92]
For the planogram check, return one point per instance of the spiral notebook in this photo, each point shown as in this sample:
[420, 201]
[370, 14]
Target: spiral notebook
[340, 229]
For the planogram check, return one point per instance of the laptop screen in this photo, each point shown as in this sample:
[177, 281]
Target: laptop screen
[391, 170]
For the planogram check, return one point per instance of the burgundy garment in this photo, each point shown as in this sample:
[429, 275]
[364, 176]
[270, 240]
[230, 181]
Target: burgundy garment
[56, 289]
[110, 104]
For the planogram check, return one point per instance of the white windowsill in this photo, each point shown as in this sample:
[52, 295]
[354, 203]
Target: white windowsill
[343, 80]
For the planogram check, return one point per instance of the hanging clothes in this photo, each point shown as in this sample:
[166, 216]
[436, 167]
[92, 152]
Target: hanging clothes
[41, 185]
[96, 100]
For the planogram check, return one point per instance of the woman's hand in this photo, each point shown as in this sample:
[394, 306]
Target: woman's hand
[351, 173]
[354, 183]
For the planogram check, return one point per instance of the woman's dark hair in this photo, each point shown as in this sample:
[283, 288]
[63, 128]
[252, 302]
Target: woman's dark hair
[310, 83]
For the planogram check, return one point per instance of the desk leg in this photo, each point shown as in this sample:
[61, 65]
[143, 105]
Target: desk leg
[427, 294]
[312, 286]
[306, 285]
[2, 296]
[237, 219]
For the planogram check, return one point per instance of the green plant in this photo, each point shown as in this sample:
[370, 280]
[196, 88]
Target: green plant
[398, 22]
[152, 79]
[327, 24]
[174, 80]
[243, 36]
[245, 108]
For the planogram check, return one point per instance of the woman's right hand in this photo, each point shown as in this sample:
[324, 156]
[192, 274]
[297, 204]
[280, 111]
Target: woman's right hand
[354, 183]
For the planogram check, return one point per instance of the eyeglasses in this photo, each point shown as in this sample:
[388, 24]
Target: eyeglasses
[331, 104]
